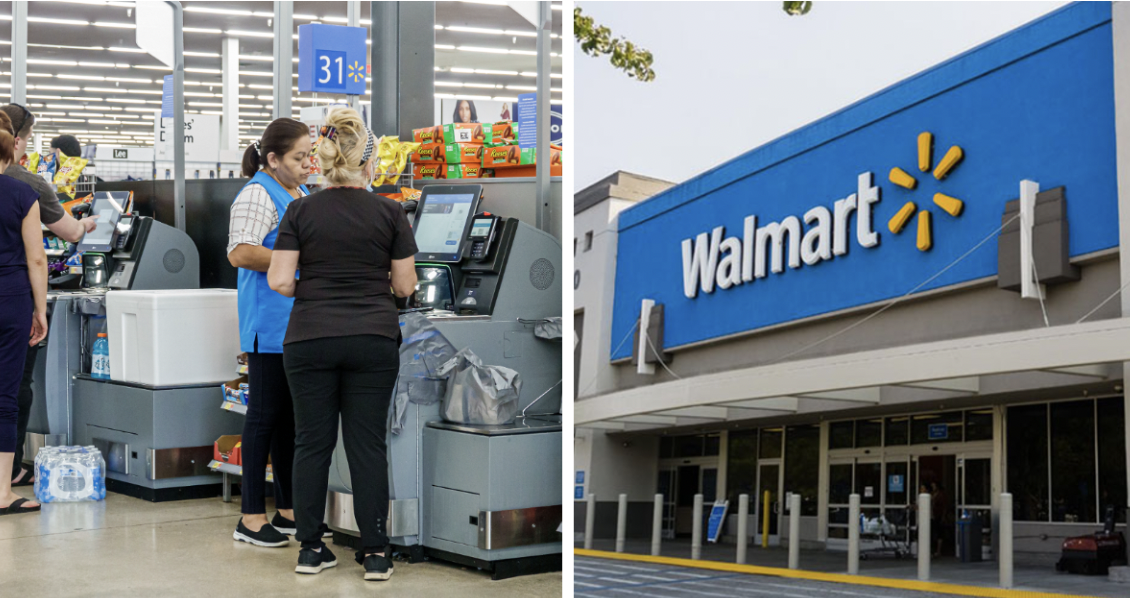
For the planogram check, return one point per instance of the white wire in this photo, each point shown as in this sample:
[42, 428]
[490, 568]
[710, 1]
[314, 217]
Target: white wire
[1040, 293]
[896, 300]
[659, 356]
[1104, 302]
[622, 341]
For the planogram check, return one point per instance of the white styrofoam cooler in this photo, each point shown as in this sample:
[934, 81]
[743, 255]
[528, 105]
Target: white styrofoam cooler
[173, 337]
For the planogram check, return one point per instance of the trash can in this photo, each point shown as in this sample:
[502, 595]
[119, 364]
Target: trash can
[969, 537]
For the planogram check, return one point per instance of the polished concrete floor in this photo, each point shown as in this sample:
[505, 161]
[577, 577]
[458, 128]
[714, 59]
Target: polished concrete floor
[129, 547]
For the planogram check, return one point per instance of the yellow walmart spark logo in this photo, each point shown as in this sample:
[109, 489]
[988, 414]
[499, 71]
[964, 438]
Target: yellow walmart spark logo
[356, 72]
[951, 205]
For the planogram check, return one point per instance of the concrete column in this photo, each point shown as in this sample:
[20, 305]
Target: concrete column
[1120, 33]
[743, 527]
[924, 546]
[284, 59]
[657, 525]
[590, 519]
[353, 18]
[1005, 556]
[544, 48]
[794, 531]
[19, 53]
[621, 522]
[853, 534]
[696, 530]
[229, 122]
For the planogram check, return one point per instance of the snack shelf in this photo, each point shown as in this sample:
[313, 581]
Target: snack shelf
[233, 470]
[236, 407]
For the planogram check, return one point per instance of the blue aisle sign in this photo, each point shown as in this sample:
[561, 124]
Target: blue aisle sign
[332, 59]
[167, 97]
[578, 492]
[939, 431]
[556, 126]
[580, 476]
[527, 120]
[714, 524]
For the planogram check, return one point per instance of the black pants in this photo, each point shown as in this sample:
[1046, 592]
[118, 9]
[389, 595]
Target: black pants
[15, 326]
[269, 427]
[23, 401]
[354, 377]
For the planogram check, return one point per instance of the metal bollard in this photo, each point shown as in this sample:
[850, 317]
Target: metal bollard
[621, 522]
[765, 521]
[696, 533]
[657, 525]
[924, 545]
[743, 526]
[853, 534]
[794, 531]
[1005, 557]
[590, 519]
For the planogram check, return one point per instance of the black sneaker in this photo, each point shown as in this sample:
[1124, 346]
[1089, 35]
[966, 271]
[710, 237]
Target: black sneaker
[377, 568]
[266, 536]
[312, 561]
[283, 524]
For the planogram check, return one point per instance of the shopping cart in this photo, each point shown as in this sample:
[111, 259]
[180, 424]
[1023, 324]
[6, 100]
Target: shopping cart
[892, 529]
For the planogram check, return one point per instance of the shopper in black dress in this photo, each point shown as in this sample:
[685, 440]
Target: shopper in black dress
[354, 250]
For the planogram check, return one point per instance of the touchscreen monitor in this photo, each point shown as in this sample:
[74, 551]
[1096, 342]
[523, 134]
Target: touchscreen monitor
[442, 221]
[108, 210]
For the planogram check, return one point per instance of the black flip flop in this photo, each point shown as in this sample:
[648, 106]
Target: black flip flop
[28, 480]
[14, 508]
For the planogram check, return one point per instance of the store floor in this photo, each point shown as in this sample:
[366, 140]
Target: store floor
[129, 547]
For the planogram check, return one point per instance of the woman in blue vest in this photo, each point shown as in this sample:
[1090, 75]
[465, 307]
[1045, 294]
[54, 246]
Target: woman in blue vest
[278, 164]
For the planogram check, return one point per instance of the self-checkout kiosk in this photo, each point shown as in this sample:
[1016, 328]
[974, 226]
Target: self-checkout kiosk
[156, 440]
[485, 496]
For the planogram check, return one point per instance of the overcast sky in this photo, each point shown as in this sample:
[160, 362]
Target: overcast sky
[734, 75]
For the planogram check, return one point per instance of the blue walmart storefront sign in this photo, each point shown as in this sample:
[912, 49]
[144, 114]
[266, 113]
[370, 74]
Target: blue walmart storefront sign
[868, 203]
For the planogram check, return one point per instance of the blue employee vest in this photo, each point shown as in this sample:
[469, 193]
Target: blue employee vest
[264, 313]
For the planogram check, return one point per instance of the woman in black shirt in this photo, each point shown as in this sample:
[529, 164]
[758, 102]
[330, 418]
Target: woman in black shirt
[354, 250]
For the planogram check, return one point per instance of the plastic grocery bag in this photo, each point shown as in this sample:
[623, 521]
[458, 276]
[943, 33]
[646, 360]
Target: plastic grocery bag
[479, 394]
[549, 329]
[69, 474]
[423, 351]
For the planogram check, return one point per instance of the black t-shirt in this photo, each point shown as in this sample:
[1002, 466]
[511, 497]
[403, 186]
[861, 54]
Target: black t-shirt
[346, 239]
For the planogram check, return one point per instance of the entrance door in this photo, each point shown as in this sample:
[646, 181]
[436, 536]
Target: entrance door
[667, 484]
[937, 474]
[769, 479]
[975, 493]
[688, 483]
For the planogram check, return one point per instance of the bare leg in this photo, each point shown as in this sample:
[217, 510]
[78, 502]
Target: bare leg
[288, 513]
[255, 522]
[7, 497]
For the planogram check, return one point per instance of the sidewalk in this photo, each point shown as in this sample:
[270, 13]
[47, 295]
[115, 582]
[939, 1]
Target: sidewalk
[946, 570]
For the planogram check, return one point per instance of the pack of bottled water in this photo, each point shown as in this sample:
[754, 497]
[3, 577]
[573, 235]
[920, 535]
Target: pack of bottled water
[69, 474]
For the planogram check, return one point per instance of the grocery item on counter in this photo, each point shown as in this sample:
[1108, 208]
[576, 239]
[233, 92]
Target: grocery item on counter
[67, 174]
[428, 135]
[463, 133]
[429, 153]
[30, 162]
[430, 171]
[524, 171]
[511, 156]
[393, 158]
[503, 132]
[46, 167]
[69, 474]
[100, 358]
[459, 153]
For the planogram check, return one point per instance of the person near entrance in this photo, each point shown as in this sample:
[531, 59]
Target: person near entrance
[63, 225]
[23, 306]
[939, 517]
[355, 250]
[278, 164]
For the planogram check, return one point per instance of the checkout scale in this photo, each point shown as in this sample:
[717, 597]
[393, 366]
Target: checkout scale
[484, 496]
[157, 441]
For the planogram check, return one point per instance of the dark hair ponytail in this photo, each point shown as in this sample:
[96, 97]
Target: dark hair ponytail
[279, 138]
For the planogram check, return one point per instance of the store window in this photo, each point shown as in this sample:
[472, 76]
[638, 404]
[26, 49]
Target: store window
[898, 484]
[741, 465]
[839, 483]
[802, 465]
[868, 482]
[868, 433]
[770, 443]
[713, 444]
[1112, 455]
[936, 428]
[666, 447]
[841, 435]
[898, 431]
[1027, 447]
[978, 425]
[1073, 461]
[688, 446]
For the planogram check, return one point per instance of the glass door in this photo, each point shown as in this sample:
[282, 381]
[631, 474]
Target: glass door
[840, 480]
[688, 484]
[769, 479]
[975, 494]
[667, 485]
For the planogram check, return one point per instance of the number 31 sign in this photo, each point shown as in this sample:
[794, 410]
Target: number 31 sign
[332, 59]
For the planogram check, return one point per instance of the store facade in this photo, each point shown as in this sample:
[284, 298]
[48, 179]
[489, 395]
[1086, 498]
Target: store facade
[840, 310]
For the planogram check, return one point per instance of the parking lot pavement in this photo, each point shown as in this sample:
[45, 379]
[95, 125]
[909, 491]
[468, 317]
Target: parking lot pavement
[602, 577]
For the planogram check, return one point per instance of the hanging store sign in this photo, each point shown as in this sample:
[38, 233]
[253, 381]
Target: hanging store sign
[201, 138]
[332, 59]
[885, 196]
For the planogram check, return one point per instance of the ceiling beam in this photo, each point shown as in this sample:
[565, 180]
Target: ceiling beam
[851, 395]
[970, 384]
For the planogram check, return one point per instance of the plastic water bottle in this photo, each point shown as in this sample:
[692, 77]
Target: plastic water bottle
[100, 362]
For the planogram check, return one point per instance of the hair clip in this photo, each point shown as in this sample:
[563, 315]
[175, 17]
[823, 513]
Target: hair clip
[368, 146]
[328, 132]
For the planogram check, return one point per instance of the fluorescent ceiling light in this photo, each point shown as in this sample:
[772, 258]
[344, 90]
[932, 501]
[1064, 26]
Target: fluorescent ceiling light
[238, 33]
[221, 11]
[107, 65]
[204, 54]
[55, 87]
[56, 21]
[259, 58]
[207, 71]
[130, 50]
[152, 67]
[116, 25]
[199, 30]
[255, 73]
[59, 62]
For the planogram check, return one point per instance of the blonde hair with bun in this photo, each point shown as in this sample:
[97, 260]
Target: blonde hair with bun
[340, 157]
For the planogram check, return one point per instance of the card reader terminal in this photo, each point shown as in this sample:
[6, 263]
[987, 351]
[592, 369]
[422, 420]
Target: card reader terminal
[484, 227]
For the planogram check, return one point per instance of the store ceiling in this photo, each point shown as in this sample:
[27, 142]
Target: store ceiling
[87, 77]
